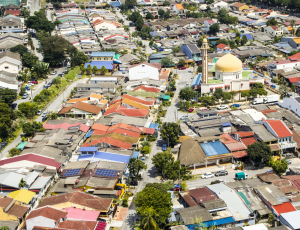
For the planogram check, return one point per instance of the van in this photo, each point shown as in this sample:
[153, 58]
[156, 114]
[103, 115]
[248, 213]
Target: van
[68, 65]
[241, 176]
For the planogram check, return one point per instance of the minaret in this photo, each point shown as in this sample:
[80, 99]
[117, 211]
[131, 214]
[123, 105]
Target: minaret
[204, 49]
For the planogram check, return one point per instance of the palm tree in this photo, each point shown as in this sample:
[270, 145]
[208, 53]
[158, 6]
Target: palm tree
[22, 183]
[148, 222]
[292, 25]
[41, 69]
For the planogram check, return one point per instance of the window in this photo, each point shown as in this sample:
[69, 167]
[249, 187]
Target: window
[6, 67]
[97, 58]
[237, 76]
[16, 26]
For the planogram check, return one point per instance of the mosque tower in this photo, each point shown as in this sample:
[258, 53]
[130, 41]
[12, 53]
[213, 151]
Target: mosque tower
[204, 49]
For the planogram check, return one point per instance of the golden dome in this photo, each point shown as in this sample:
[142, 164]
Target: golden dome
[204, 40]
[229, 63]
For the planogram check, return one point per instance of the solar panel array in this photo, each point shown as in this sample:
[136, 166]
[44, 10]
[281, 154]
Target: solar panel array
[106, 172]
[72, 172]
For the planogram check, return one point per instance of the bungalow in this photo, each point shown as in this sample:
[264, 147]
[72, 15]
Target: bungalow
[273, 30]
[240, 6]
[208, 23]
[81, 110]
[221, 48]
[105, 25]
[178, 8]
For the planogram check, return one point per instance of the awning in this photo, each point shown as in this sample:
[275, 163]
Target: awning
[212, 88]
[227, 85]
[239, 154]
[219, 87]
[252, 82]
[22, 145]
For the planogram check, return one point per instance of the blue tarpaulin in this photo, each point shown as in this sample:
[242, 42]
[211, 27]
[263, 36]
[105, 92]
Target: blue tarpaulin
[106, 157]
[135, 154]
[89, 134]
[196, 80]
[226, 124]
[214, 148]
[88, 149]
[108, 65]
[154, 126]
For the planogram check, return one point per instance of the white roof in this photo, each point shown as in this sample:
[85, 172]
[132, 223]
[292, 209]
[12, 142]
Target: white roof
[234, 203]
[255, 227]
[41, 182]
[11, 179]
[30, 177]
[104, 78]
[257, 116]
[292, 218]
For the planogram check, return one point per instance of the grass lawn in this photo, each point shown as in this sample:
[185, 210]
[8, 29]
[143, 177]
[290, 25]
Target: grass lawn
[212, 81]
[246, 74]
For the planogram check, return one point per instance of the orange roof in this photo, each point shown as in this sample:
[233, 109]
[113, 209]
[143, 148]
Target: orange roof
[100, 127]
[144, 102]
[284, 207]
[78, 99]
[179, 6]
[81, 106]
[147, 89]
[97, 96]
[115, 105]
[165, 72]
[104, 101]
[134, 104]
[110, 141]
[127, 112]
[125, 126]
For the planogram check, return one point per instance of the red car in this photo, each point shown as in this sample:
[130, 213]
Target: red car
[33, 82]
[183, 67]
[205, 109]
[191, 110]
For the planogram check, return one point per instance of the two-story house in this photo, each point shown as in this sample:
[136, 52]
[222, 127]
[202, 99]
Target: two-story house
[222, 48]
[11, 23]
[100, 59]
[192, 51]
[273, 30]
[208, 23]
[283, 134]
[178, 8]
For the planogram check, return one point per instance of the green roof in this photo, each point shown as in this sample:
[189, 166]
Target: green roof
[215, 60]
[212, 81]
[246, 74]
[8, 2]
[245, 199]
[22, 145]
[117, 56]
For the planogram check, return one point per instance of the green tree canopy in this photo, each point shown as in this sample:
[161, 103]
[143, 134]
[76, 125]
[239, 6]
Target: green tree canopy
[166, 3]
[14, 152]
[28, 109]
[187, 93]
[29, 60]
[272, 22]
[78, 58]
[39, 22]
[279, 166]
[259, 151]
[24, 12]
[5, 121]
[161, 203]
[161, 13]
[170, 133]
[214, 29]
[149, 16]
[166, 62]
[19, 49]
[7, 96]
[181, 62]
[130, 3]
[56, 81]
[135, 166]
[160, 160]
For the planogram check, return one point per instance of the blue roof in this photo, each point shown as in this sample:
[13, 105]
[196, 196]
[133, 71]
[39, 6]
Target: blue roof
[135, 154]
[102, 54]
[214, 148]
[116, 4]
[89, 134]
[218, 222]
[226, 124]
[196, 80]
[249, 37]
[106, 157]
[88, 149]
[154, 126]
[108, 64]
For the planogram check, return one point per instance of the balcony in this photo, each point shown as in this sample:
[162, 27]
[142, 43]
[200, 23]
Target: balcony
[287, 145]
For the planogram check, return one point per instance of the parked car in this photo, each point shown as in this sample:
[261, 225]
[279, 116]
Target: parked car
[177, 187]
[221, 173]
[134, 182]
[33, 79]
[33, 82]
[207, 175]
[45, 86]
[267, 83]
[61, 75]
[44, 119]
[181, 68]
[191, 110]
[273, 86]
[54, 72]
[29, 84]
[235, 105]
[14, 105]
[241, 176]
[143, 158]
[164, 147]
[184, 117]
[205, 109]
[39, 112]
[222, 107]
[25, 96]
[27, 87]
[289, 162]
[44, 114]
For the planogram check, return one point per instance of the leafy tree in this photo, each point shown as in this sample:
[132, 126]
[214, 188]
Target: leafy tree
[199, 69]
[14, 152]
[7, 96]
[187, 93]
[181, 62]
[56, 81]
[22, 183]
[103, 69]
[41, 69]
[223, 16]
[28, 129]
[39, 22]
[279, 166]
[135, 16]
[172, 84]
[161, 13]
[298, 32]
[160, 160]
[167, 15]
[4, 228]
[284, 90]
[244, 40]
[259, 151]
[180, 104]
[166, 62]
[149, 16]
[257, 89]
[19, 49]
[272, 22]
[176, 50]
[166, 3]
[55, 50]
[161, 203]
[95, 69]
[170, 133]
[78, 58]
[56, 5]
[148, 219]
[28, 60]
[22, 91]
[207, 100]
[135, 166]
[139, 24]
[214, 29]
[187, 105]
[82, 68]
[89, 69]
[28, 109]
[130, 3]
[5, 120]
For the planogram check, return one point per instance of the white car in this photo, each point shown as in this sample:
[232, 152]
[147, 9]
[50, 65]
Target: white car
[39, 112]
[207, 175]
[222, 107]
[29, 84]
[184, 117]
[44, 114]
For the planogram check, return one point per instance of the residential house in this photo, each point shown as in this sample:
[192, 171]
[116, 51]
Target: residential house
[291, 219]
[121, 110]
[10, 62]
[8, 80]
[9, 40]
[100, 59]
[128, 60]
[105, 25]
[240, 6]
[291, 103]
[293, 42]
[145, 70]
[273, 30]
[11, 23]
[12, 9]
[220, 4]
[81, 110]
[192, 51]
[221, 48]
[282, 133]
[208, 23]
[178, 8]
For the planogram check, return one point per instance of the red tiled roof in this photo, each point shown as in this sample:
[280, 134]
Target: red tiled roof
[210, 21]
[203, 194]
[115, 101]
[124, 132]
[226, 139]
[239, 154]
[100, 127]
[81, 106]
[295, 56]
[268, 111]
[294, 79]
[125, 126]
[274, 27]
[279, 128]
[281, 183]
[99, 132]
[77, 225]
[236, 146]
[222, 46]
[283, 208]
[38, 159]
[145, 102]
[13, 12]
[289, 189]
[127, 112]
[244, 134]
[248, 141]
[189, 200]
[109, 140]
[48, 212]
[17, 210]
[147, 89]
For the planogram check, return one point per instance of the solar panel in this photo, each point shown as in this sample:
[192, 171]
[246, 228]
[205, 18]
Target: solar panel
[106, 172]
[72, 172]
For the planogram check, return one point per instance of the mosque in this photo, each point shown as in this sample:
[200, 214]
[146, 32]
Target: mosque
[229, 74]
